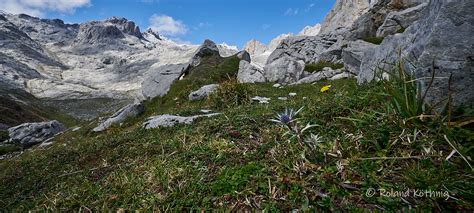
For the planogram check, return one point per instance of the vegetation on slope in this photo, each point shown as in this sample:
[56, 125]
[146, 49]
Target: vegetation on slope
[242, 160]
[17, 107]
[318, 67]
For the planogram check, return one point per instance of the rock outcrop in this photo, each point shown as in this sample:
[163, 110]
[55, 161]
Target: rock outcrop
[343, 14]
[159, 79]
[129, 111]
[440, 42]
[208, 48]
[284, 70]
[249, 73]
[29, 134]
[244, 56]
[172, 120]
[203, 92]
[326, 73]
[353, 54]
[310, 30]
[226, 50]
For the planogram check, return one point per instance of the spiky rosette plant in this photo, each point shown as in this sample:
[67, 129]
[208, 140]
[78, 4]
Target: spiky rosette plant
[290, 121]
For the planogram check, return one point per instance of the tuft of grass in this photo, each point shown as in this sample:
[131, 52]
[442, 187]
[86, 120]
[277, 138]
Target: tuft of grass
[402, 88]
[231, 94]
[401, 30]
[317, 67]
[9, 148]
[374, 40]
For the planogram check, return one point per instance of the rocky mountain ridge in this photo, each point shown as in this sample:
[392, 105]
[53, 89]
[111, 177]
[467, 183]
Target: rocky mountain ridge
[95, 59]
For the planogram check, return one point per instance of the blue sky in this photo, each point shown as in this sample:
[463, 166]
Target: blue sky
[230, 21]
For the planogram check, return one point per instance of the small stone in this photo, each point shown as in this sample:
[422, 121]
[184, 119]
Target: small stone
[262, 100]
[282, 98]
[292, 94]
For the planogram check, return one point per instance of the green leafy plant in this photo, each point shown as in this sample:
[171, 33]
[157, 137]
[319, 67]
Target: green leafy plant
[403, 91]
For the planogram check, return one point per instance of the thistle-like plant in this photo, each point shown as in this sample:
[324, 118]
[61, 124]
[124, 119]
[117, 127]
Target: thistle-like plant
[290, 121]
[312, 141]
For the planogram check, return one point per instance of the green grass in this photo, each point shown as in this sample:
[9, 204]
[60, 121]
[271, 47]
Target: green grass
[3, 135]
[317, 67]
[374, 40]
[241, 160]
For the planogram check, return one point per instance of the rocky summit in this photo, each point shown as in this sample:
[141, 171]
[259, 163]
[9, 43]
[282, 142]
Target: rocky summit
[369, 110]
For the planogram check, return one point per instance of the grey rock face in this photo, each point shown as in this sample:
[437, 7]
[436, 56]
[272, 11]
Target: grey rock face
[171, 120]
[244, 56]
[343, 14]
[45, 31]
[226, 50]
[159, 80]
[444, 36]
[284, 70]
[398, 20]
[129, 111]
[95, 32]
[300, 48]
[249, 73]
[326, 73]
[125, 26]
[203, 92]
[367, 24]
[29, 134]
[353, 54]
[208, 48]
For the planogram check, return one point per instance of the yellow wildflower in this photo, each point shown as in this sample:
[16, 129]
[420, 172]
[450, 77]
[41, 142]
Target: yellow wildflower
[325, 88]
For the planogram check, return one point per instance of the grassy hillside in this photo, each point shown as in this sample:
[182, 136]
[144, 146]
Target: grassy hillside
[242, 160]
[17, 107]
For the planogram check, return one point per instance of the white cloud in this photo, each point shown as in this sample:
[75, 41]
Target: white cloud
[266, 26]
[167, 25]
[202, 25]
[310, 7]
[39, 7]
[291, 12]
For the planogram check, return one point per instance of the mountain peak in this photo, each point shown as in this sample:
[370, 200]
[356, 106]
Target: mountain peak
[310, 30]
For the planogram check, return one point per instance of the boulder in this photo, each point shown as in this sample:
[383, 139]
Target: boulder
[203, 92]
[208, 48]
[398, 20]
[129, 111]
[261, 100]
[326, 73]
[341, 76]
[249, 73]
[284, 70]
[244, 56]
[353, 54]
[29, 134]
[159, 80]
[171, 120]
[442, 39]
